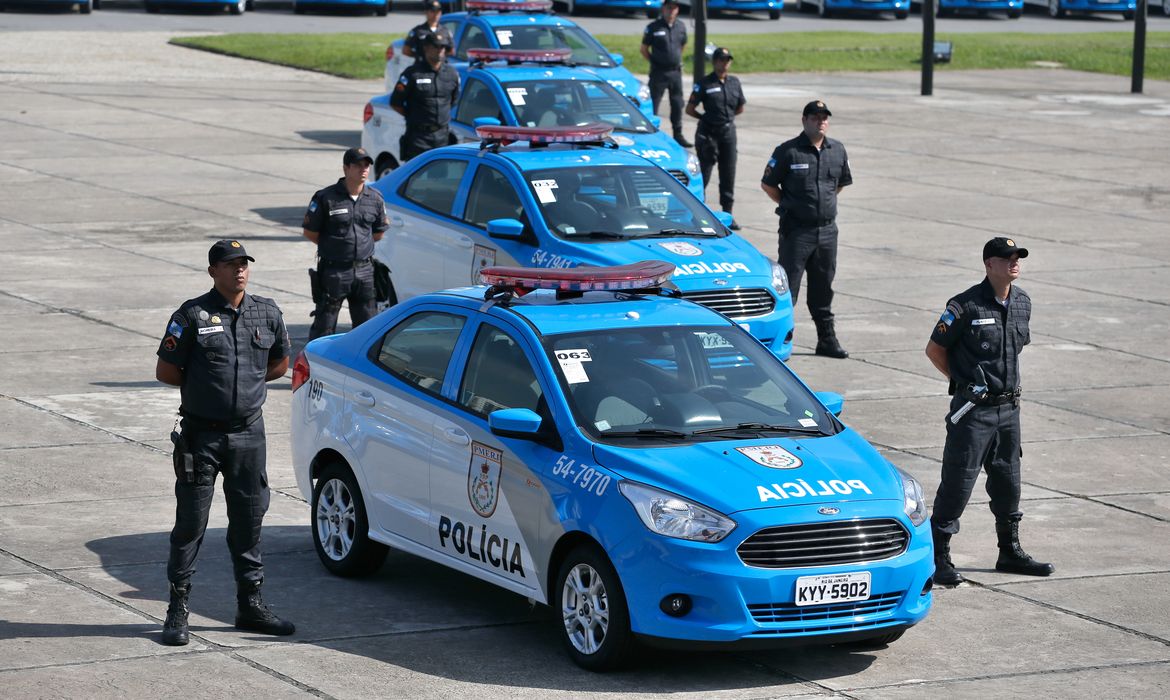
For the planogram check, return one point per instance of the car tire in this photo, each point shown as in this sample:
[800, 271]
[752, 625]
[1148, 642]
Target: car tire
[297, 8]
[384, 9]
[823, 9]
[97, 4]
[1128, 15]
[594, 620]
[876, 642]
[570, 7]
[150, 7]
[1055, 10]
[385, 165]
[250, 5]
[1166, 7]
[775, 14]
[238, 7]
[901, 14]
[85, 7]
[1014, 14]
[340, 525]
[651, 14]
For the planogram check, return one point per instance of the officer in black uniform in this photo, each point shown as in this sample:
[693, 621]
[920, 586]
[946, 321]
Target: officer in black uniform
[976, 344]
[804, 176]
[662, 45]
[424, 95]
[722, 98]
[220, 349]
[344, 220]
[434, 12]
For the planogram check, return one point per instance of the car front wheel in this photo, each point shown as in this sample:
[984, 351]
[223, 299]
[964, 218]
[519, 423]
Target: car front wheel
[595, 622]
[1054, 9]
[239, 7]
[1166, 7]
[340, 526]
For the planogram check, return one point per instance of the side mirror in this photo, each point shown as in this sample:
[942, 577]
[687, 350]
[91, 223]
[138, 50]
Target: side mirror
[486, 121]
[832, 401]
[656, 121]
[520, 423]
[510, 229]
[725, 218]
[617, 58]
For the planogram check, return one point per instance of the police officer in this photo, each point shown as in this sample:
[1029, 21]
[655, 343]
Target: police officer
[424, 95]
[662, 45]
[344, 220]
[220, 349]
[434, 12]
[976, 345]
[804, 176]
[722, 98]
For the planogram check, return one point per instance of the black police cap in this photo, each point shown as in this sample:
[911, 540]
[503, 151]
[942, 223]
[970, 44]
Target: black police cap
[817, 107]
[432, 6]
[722, 52]
[439, 41]
[356, 155]
[227, 250]
[1001, 247]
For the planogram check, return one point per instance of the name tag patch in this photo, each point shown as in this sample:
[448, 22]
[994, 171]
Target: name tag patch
[211, 329]
[714, 89]
[336, 212]
[798, 166]
[983, 322]
[423, 81]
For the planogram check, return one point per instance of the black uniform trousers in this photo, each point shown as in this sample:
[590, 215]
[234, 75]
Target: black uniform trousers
[812, 249]
[668, 81]
[415, 142]
[987, 438]
[718, 146]
[353, 283]
[240, 457]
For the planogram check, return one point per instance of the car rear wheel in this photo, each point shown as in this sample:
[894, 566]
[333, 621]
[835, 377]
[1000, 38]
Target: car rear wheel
[1166, 7]
[775, 14]
[595, 622]
[340, 526]
[239, 7]
[1054, 9]
[385, 165]
[384, 9]
[823, 9]
[85, 7]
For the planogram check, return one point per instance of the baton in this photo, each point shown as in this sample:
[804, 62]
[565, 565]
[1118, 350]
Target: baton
[976, 389]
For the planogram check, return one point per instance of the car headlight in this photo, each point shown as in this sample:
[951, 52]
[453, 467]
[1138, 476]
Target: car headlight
[779, 279]
[692, 164]
[674, 516]
[643, 93]
[914, 503]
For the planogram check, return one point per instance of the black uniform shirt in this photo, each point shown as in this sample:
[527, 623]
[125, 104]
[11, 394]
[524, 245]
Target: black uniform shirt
[414, 38]
[224, 353]
[720, 99]
[666, 44]
[977, 329]
[346, 227]
[808, 179]
[427, 95]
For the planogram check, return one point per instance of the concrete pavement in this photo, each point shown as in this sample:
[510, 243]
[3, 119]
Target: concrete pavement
[121, 164]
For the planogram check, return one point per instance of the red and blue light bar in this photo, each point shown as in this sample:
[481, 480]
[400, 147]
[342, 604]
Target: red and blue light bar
[647, 274]
[593, 132]
[505, 6]
[521, 55]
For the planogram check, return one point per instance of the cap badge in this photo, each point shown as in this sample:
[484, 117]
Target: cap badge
[1010, 242]
[235, 244]
[215, 319]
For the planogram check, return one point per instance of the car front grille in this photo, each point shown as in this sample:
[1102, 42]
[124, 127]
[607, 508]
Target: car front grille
[736, 303]
[681, 176]
[824, 544]
[816, 617]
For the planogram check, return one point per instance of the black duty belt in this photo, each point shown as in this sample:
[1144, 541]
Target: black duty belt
[805, 223]
[1012, 397]
[221, 426]
[344, 263]
[426, 128]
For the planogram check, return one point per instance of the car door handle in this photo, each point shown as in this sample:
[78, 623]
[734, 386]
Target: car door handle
[364, 398]
[457, 436]
[464, 243]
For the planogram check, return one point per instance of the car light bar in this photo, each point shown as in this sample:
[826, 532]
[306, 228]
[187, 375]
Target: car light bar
[505, 6]
[521, 280]
[593, 132]
[521, 55]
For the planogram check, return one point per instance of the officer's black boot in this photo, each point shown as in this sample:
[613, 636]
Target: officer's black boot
[827, 343]
[944, 570]
[175, 628]
[1012, 557]
[253, 615]
[681, 140]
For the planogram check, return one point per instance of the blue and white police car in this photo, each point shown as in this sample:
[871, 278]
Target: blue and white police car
[377, 7]
[828, 8]
[635, 461]
[1063, 8]
[236, 7]
[535, 88]
[498, 24]
[948, 8]
[565, 197]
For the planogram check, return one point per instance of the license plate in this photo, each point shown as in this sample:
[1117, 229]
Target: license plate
[832, 588]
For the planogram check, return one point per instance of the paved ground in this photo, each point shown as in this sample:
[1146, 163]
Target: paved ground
[120, 164]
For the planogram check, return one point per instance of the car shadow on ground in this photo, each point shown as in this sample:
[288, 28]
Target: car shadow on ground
[287, 216]
[411, 614]
[344, 139]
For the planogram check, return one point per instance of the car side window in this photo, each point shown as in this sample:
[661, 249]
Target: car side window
[473, 38]
[498, 375]
[435, 185]
[492, 197]
[452, 27]
[419, 349]
[477, 101]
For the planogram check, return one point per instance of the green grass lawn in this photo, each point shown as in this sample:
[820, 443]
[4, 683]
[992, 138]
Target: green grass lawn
[363, 55]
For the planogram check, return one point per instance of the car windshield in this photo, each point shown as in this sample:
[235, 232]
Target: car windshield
[586, 50]
[619, 202]
[572, 102]
[682, 383]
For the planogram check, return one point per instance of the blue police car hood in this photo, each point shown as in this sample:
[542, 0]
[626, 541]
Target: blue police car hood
[735, 475]
[655, 147]
[698, 260]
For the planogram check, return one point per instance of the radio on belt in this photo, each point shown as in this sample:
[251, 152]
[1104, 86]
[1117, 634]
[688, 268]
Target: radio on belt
[647, 274]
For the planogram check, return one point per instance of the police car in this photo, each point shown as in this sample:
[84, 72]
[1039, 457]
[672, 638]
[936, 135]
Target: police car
[946, 8]
[377, 7]
[236, 7]
[499, 24]
[1063, 8]
[564, 197]
[534, 88]
[652, 7]
[636, 461]
[827, 8]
